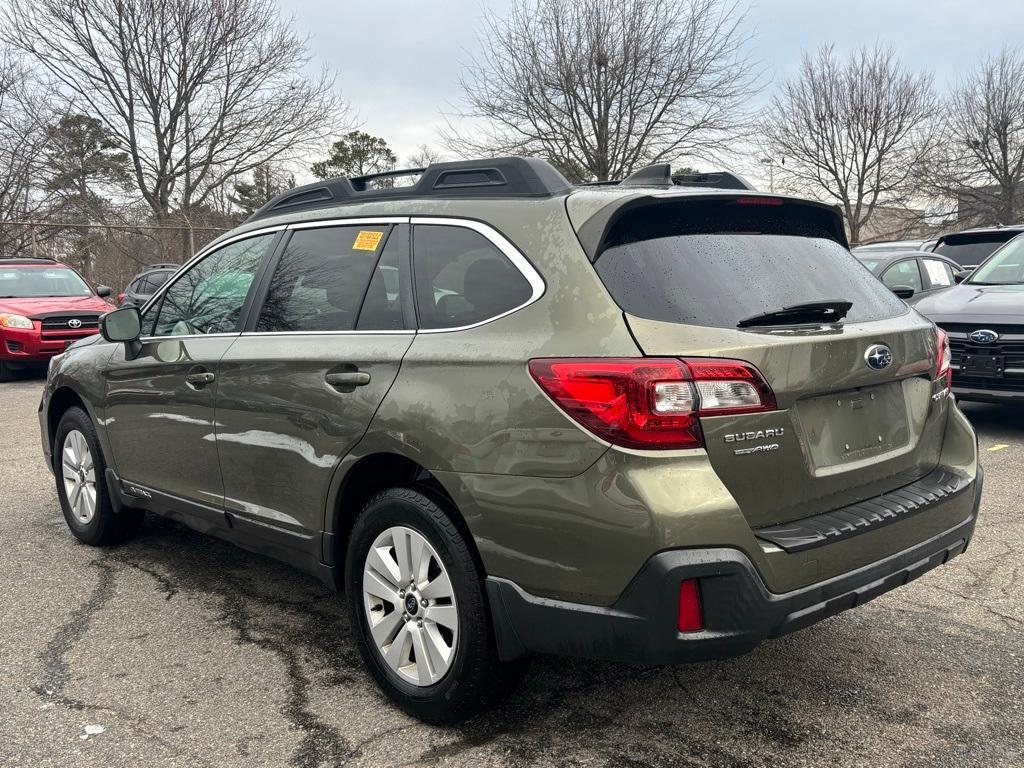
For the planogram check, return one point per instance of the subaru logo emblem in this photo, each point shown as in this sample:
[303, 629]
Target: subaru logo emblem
[983, 336]
[878, 356]
[74, 322]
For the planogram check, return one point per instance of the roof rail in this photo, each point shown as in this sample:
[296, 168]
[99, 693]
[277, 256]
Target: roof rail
[497, 177]
[29, 259]
[714, 180]
[660, 175]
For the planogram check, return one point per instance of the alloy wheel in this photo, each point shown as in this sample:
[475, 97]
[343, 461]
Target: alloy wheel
[79, 473]
[410, 606]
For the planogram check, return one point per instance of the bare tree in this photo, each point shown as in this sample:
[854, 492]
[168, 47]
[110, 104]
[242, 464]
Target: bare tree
[601, 87]
[850, 131]
[24, 112]
[424, 156]
[978, 165]
[197, 92]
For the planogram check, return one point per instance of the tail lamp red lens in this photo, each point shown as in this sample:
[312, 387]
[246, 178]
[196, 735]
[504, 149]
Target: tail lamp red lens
[943, 368]
[650, 402]
[690, 616]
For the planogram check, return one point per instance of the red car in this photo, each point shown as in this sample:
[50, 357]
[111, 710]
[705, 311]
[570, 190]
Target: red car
[44, 306]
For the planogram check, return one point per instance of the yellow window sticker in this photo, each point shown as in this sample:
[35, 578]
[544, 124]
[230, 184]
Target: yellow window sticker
[367, 240]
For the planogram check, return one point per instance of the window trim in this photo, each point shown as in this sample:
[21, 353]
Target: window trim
[499, 241]
[188, 265]
[395, 221]
[496, 238]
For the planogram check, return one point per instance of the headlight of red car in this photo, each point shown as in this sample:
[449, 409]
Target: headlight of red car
[15, 321]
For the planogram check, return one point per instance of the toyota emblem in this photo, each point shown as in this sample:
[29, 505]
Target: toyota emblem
[878, 356]
[74, 322]
[983, 336]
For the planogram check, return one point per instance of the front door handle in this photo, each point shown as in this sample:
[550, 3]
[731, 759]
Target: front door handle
[348, 379]
[200, 379]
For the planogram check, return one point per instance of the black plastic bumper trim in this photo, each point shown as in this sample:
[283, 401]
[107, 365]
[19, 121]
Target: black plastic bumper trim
[739, 610]
[868, 515]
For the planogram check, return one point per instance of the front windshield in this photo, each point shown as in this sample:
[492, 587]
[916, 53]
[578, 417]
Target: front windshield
[24, 282]
[1006, 267]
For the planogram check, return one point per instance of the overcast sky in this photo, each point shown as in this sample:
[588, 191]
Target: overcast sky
[399, 60]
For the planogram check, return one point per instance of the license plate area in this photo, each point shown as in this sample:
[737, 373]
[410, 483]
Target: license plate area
[853, 426]
[989, 366]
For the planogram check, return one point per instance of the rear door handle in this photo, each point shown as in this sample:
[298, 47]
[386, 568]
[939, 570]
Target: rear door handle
[200, 379]
[348, 379]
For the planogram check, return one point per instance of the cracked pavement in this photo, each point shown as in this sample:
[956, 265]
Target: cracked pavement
[179, 650]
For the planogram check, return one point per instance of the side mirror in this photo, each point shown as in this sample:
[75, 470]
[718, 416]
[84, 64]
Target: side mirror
[103, 291]
[962, 275]
[903, 291]
[123, 325]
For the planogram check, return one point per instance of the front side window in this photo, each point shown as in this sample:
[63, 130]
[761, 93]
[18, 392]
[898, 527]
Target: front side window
[321, 279]
[904, 274]
[208, 298]
[462, 278]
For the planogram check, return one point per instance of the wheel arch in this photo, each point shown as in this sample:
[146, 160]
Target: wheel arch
[61, 401]
[370, 474]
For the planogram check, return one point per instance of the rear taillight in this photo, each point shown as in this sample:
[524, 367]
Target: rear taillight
[651, 403]
[690, 617]
[943, 368]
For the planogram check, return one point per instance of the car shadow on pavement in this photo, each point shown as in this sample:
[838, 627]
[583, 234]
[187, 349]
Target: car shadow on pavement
[995, 417]
[785, 696]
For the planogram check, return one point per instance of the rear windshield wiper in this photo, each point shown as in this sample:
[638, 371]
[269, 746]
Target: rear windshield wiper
[826, 311]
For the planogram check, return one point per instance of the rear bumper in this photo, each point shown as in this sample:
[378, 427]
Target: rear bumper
[739, 610]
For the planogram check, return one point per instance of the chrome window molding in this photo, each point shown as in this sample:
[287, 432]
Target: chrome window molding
[503, 244]
[499, 241]
[403, 332]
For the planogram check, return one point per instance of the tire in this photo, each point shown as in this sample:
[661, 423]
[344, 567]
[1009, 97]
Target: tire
[474, 678]
[78, 467]
[6, 374]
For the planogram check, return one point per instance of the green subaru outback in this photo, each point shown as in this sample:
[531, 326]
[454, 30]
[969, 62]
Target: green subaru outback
[655, 421]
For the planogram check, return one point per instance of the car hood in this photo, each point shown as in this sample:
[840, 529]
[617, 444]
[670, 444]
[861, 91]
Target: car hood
[44, 305]
[966, 303]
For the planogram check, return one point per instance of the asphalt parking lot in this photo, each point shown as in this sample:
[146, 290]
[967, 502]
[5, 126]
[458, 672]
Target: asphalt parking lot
[179, 650]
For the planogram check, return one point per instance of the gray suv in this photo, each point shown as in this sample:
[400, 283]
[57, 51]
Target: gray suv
[510, 416]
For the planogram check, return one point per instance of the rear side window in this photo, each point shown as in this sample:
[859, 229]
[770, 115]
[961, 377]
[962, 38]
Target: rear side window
[904, 274]
[715, 263]
[462, 278]
[320, 281]
[940, 274]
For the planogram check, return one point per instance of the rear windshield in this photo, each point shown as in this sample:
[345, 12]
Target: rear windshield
[971, 251]
[717, 263]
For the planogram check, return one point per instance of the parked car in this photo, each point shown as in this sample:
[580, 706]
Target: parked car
[145, 284]
[601, 421]
[972, 246]
[888, 245]
[44, 306]
[984, 318]
[911, 275]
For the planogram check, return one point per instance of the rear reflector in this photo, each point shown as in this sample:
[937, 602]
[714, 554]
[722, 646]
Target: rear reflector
[691, 618]
[650, 402]
[943, 370]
